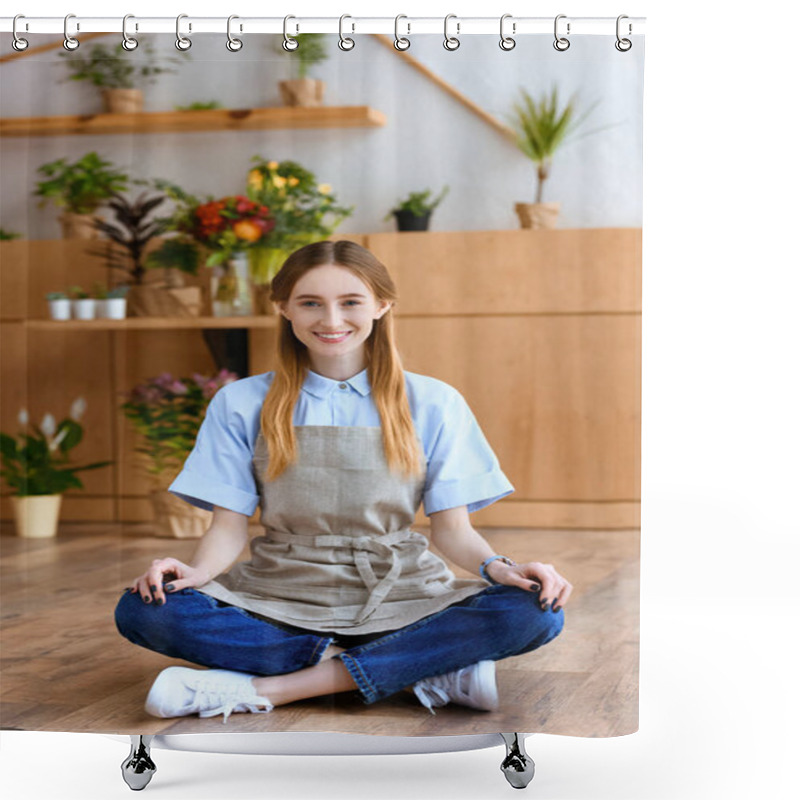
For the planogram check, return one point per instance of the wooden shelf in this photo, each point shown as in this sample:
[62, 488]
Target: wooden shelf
[150, 323]
[191, 121]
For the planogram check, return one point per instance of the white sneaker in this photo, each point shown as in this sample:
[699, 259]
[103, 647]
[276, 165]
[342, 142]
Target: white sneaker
[475, 686]
[180, 691]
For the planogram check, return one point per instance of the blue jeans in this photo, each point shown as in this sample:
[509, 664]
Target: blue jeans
[498, 622]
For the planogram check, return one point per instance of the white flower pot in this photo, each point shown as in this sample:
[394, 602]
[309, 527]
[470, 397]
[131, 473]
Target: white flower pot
[83, 309]
[60, 309]
[115, 308]
[36, 515]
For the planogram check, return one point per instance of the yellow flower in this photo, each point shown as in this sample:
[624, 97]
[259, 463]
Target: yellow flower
[247, 230]
[273, 165]
[255, 179]
[278, 181]
[293, 181]
[325, 188]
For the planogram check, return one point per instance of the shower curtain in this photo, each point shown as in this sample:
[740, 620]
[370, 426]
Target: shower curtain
[500, 187]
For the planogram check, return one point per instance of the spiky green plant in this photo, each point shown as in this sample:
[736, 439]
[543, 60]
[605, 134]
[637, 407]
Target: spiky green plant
[541, 127]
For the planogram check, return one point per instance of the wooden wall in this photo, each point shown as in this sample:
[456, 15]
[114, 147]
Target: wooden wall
[540, 330]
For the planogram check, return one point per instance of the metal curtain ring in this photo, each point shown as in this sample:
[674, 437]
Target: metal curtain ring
[623, 45]
[18, 43]
[561, 43]
[128, 42]
[182, 42]
[345, 42]
[70, 43]
[506, 42]
[451, 42]
[401, 43]
[289, 44]
[234, 45]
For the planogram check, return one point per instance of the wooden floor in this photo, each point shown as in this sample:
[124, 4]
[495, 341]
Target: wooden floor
[64, 666]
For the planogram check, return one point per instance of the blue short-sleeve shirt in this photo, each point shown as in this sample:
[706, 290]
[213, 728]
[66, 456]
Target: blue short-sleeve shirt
[462, 468]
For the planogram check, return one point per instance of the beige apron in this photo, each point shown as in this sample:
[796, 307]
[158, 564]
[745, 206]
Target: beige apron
[338, 555]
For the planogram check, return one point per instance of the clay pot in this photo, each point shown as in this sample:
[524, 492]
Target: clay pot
[123, 101]
[302, 92]
[78, 226]
[36, 515]
[537, 216]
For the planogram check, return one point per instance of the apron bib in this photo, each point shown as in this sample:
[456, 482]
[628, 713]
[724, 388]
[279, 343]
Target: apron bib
[338, 554]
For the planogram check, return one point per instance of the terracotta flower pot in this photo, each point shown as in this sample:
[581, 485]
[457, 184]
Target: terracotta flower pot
[77, 226]
[123, 101]
[36, 515]
[176, 519]
[537, 216]
[302, 92]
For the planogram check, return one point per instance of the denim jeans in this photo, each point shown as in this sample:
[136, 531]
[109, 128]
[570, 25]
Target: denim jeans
[498, 622]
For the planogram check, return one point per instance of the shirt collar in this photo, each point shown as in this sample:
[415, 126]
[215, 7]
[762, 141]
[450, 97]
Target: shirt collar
[321, 387]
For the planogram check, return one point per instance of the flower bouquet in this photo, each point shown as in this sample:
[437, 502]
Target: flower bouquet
[167, 413]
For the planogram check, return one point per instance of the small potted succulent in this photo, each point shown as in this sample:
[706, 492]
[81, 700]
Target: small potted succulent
[80, 188]
[300, 90]
[116, 301]
[36, 468]
[118, 73]
[83, 305]
[414, 213]
[60, 305]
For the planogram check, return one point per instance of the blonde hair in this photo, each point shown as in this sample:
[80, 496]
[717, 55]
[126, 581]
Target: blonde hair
[384, 368]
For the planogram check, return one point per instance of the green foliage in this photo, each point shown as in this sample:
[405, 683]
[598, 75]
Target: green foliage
[167, 412]
[312, 49]
[7, 236]
[200, 106]
[38, 463]
[541, 127]
[82, 186]
[175, 253]
[116, 68]
[78, 293]
[418, 203]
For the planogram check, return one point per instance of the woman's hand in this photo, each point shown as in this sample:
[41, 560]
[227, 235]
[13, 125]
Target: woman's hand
[175, 574]
[555, 589]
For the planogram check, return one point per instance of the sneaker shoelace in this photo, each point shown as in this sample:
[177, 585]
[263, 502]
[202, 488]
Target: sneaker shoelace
[222, 700]
[428, 692]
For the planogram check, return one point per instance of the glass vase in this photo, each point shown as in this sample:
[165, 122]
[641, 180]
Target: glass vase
[230, 288]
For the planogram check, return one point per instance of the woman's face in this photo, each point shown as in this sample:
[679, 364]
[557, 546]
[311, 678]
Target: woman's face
[332, 313]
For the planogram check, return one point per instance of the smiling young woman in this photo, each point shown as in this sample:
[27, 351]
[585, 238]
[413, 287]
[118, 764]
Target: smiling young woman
[339, 445]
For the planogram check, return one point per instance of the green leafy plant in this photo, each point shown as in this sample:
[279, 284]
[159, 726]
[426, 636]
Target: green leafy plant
[541, 126]
[311, 50]
[57, 296]
[81, 186]
[167, 412]
[116, 68]
[418, 203]
[7, 236]
[131, 231]
[38, 463]
[200, 106]
[78, 293]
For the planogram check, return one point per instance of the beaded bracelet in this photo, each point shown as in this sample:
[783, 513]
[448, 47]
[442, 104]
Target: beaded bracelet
[485, 575]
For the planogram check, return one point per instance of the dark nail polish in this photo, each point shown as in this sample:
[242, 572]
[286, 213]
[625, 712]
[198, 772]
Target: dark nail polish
[153, 589]
[169, 587]
[545, 605]
[159, 601]
[146, 599]
[555, 609]
[535, 587]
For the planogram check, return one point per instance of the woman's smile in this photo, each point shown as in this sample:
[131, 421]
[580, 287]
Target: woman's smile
[332, 338]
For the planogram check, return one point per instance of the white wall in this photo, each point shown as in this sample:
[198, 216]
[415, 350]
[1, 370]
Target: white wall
[430, 139]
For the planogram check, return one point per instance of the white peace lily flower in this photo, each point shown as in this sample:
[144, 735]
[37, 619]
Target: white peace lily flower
[77, 408]
[48, 425]
[57, 441]
[22, 417]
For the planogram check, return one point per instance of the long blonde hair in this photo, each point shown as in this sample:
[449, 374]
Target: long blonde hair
[384, 368]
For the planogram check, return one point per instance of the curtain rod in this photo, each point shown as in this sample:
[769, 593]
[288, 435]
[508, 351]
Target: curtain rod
[407, 26]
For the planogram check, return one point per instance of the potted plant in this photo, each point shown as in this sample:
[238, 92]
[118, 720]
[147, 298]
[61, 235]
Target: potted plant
[60, 305]
[302, 211]
[300, 90]
[414, 213]
[167, 413]
[218, 233]
[116, 302]
[36, 467]
[79, 188]
[7, 236]
[119, 74]
[130, 231]
[541, 127]
[83, 305]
